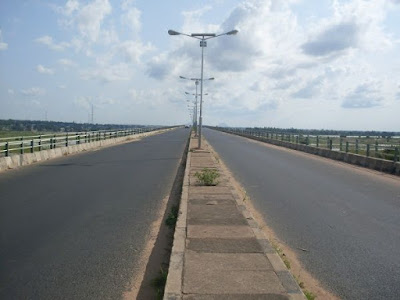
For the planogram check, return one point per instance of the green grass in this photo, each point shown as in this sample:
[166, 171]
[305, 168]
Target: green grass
[309, 295]
[207, 177]
[159, 282]
[7, 133]
[281, 254]
[170, 221]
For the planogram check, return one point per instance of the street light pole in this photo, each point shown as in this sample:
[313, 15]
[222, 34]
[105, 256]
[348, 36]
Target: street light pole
[203, 43]
[196, 81]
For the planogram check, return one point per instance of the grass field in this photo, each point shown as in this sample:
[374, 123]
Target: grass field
[7, 133]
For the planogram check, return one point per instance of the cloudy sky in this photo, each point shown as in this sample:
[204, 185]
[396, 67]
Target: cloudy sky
[294, 63]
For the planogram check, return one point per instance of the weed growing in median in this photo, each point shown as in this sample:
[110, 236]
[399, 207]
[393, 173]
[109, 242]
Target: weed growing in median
[281, 254]
[170, 221]
[159, 282]
[309, 295]
[207, 176]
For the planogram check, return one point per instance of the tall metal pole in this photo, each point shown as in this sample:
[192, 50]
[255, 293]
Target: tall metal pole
[203, 44]
[196, 104]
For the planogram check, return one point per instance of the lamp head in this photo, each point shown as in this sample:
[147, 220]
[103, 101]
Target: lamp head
[232, 32]
[173, 32]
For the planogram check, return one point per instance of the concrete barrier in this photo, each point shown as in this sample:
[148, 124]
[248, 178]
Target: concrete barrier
[373, 163]
[18, 160]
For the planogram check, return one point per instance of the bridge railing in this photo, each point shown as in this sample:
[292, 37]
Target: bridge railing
[24, 144]
[371, 146]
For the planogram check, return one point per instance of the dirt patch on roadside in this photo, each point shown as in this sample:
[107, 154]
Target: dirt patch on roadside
[310, 283]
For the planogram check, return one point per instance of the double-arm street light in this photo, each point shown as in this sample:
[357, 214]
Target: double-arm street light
[203, 37]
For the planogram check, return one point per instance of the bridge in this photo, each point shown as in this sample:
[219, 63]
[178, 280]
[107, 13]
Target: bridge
[89, 224]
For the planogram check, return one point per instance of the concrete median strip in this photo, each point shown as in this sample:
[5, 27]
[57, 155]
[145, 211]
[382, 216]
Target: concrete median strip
[19, 160]
[219, 251]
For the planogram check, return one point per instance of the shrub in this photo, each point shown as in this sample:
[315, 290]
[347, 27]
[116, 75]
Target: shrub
[207, 176]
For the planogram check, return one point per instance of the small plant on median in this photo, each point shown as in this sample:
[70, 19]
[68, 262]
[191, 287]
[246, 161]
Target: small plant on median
[207, 176]
[159, 282]
[309, 295]
[170, 221]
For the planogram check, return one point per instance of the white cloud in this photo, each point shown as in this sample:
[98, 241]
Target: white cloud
[334, 39]
[3, 45]
[366, 95]
[10, 91]
[66, 62]
[43, 70]
[33, 92]
[131, 19]
[90, 18]
[132, 51]
[108, 73]
[48, 41]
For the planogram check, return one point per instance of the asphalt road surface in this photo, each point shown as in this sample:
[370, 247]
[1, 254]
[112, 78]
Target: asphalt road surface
[74, 227]
[347, 218]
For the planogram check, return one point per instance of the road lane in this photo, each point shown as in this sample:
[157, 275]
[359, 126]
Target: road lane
[74, 227]
[348, 220]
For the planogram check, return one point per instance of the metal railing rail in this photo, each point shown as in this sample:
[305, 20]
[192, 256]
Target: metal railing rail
[25, 144]
[368, 146]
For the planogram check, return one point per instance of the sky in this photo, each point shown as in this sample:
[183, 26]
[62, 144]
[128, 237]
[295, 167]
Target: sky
[312, 64]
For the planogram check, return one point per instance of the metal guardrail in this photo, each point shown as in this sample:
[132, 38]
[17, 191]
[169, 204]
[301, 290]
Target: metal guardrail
[374, 147]
[30, 144]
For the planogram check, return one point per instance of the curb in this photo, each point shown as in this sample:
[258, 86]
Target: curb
[285, 276]
[173, 286]
[20, 160]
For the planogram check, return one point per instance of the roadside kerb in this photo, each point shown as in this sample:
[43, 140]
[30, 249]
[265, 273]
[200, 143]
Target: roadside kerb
[19, 160]
[173, 286]
[373, 163]
[219, 250]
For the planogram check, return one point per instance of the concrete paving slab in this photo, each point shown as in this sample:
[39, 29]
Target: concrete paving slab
[213, 281]
[227, 211]
[247, 245]
[217, 221]
[213, 190]
[226, 261]
[210, 196]
[237, 297]
[219, 231]
[212, 202]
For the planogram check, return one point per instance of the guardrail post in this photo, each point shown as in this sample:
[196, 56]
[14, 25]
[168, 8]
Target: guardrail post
[297, 139]
[396, 154]
[32, 145]
[330, 144]
[356, 146]
[55, 142]
[22, 145]
[40, 143]
[7, 149]
[307, 140]
[367, 150]
[317, 141]
[66, 140]
[376, 147]
[347, 146]
[341, 144]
